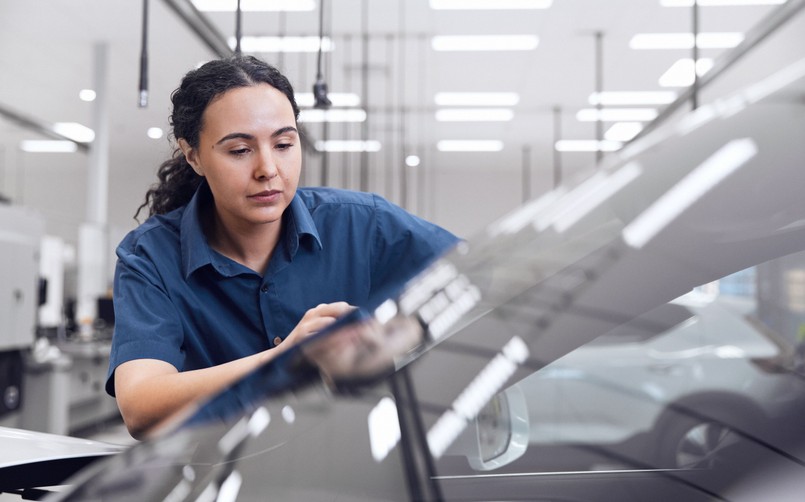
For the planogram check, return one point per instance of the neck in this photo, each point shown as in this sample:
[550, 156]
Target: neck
[249, 245]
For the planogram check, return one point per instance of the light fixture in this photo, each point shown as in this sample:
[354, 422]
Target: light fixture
[412, 161]
[586, 145]
[254, 5]
[154, 132]
[75, 131]
[332, 115]
[335, 145]
[680, 74]
[722, 3]
[489, 4]
[469, 145]
[282, 44]
[474, 115]
[48, 146]
[711, 40]
[617, 98]
[476, 98]
[87, 95]
[623, 131]
[616, 114]
[484, 42]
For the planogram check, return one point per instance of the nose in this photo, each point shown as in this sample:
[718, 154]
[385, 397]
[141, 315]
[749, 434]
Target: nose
[266, 167]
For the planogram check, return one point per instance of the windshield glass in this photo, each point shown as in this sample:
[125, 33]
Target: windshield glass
[645, 323]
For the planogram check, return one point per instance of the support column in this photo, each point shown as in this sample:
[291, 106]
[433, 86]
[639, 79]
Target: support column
[93, 280]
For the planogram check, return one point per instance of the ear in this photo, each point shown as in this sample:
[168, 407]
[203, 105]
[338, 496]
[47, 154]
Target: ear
[190, 155]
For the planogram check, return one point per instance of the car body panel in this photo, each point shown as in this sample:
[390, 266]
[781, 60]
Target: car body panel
[687, 204]
[35, 459]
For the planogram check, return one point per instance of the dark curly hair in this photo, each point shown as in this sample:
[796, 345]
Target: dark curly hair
[177, 180]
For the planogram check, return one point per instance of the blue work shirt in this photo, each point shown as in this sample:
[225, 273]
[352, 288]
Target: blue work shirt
[178, 300]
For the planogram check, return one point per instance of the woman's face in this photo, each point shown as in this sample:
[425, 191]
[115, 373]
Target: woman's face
[249, 151]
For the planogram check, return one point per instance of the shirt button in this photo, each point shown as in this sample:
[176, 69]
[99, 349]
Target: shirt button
[277, 340]
[264, 288]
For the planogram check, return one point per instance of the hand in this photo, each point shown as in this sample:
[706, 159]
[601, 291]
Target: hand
[364, 348]
[315, 320]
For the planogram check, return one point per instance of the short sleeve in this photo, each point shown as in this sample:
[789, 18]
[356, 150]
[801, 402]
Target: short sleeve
[404, 245]
[147, 324]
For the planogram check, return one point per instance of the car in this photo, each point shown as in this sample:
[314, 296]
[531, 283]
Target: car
[421, 395]
[627, 390]
[29, 459]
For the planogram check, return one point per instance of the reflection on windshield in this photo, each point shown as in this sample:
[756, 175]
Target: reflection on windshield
[363, 348]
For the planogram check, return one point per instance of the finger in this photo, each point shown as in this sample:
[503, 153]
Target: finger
[334, 309]
[314, 325]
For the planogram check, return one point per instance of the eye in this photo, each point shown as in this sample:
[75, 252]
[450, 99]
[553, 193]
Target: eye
[284, 146]
[239, 152]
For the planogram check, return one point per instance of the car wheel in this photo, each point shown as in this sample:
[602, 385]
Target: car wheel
[697, 444]
[705, 442]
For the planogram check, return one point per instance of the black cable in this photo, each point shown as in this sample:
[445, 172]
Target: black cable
[320, 86]
[143, 97]
[237, 29]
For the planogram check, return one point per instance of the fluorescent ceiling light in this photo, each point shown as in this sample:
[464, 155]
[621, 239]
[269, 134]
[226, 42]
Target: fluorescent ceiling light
[75, 131]
[412, 161]
[154, 132]
[705, 3]
[476, 98]
[485, 42]
[474, 115]
[48, 146]
[335, 145]
[714, 40]
[254, 5]
[282, 44]
[342, 99]
[384, 428]
[585, 145]
[332, 115]
[86, 95]
[469, 145]
[616, 114]
[680, 74]
[623, 131]
[489, 4]
[688, 190]
[632, 98]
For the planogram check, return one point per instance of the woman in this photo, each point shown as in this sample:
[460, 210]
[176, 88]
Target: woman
[236, 264]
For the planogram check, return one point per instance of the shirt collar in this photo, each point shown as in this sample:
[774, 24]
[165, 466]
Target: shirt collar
[300, 223]
[196, 252]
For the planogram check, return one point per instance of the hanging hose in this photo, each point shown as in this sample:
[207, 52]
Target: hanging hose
[143, 97]
[320, 86]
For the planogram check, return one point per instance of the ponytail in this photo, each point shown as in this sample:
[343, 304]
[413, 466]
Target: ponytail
[177, 184]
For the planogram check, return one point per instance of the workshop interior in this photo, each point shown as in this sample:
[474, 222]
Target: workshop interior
[460, 112]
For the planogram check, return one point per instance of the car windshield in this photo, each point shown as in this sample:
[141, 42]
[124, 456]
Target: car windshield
[645, 326]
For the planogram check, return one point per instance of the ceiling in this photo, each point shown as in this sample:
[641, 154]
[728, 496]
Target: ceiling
[47, 57]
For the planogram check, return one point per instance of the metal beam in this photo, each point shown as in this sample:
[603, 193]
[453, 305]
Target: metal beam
[39, 126]
[201, 26]
[763, 29]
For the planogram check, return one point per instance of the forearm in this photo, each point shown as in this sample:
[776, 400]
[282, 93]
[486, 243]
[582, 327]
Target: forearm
[150, 391]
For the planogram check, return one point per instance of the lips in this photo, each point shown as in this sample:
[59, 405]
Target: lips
[266, 196]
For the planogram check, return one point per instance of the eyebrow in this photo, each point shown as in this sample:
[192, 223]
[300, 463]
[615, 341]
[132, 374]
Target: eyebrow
[243, 135]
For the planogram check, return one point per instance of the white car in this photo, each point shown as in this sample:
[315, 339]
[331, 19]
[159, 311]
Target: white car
[669, 388]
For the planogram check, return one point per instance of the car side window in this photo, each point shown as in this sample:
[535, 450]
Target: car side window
[676, 388]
